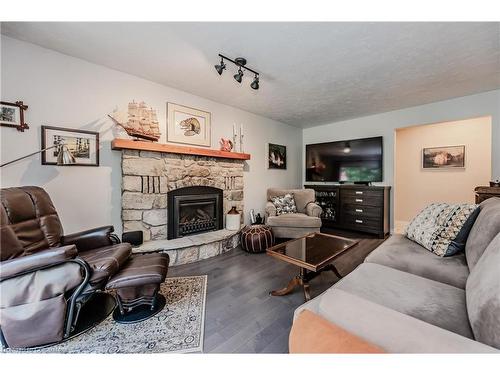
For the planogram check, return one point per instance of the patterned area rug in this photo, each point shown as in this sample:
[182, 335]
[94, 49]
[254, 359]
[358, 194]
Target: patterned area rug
[178, 328]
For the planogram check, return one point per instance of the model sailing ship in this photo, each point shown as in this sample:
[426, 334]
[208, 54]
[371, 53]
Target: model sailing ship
[139, 122]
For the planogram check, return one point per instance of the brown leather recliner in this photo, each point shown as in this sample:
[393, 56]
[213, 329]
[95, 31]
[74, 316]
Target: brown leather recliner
[46, 277]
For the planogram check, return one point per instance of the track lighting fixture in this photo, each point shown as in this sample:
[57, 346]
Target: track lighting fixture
[238, 77]
[347, 148]
[240, 62]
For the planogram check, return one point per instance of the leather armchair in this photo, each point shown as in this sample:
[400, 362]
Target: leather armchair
[294, 225]
[46, 277]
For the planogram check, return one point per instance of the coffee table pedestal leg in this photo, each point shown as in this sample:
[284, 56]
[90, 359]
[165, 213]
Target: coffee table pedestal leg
[299, 280]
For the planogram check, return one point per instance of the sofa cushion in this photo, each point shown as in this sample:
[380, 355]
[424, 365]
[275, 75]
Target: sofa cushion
[388, 329]
[285, 204]
[403, 254]
[483, 295]
[428, 300]
[294, 220]
[312, 333]
[439, 224]
[486, 227]
[302, 196]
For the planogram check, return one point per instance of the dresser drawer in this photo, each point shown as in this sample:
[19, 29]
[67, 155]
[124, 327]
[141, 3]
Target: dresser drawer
[362, 200]
[362, 211]
[362, 223]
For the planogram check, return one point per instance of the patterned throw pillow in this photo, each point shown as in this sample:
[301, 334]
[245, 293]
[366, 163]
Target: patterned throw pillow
[285, 204]
[441, 227]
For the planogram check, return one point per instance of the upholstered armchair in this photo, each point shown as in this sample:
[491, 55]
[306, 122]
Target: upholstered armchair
[45, 277]
[294, 225]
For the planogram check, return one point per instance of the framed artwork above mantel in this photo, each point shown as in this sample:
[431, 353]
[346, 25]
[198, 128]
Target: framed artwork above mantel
[188, 125]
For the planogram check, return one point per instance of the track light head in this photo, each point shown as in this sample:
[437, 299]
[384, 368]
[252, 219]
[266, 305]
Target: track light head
[238, 77]
[220, 68]
[255, 84]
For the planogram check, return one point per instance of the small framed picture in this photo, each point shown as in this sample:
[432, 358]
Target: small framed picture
[443, 157]
[83, 145]
[188, 125]
[276, 156]
[12, 115]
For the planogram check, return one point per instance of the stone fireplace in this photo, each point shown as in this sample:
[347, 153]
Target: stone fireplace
[194, 209]
[151, 179]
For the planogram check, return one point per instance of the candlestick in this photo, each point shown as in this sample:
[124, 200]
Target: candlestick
[241, 138]
[234, 137]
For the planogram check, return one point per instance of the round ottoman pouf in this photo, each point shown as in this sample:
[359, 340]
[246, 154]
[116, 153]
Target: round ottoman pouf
[256, 238]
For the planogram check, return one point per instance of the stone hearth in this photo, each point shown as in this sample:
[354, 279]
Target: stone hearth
[193, 248]
[148, 176]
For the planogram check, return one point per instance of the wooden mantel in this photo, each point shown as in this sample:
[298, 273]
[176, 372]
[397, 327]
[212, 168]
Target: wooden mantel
[129, 144]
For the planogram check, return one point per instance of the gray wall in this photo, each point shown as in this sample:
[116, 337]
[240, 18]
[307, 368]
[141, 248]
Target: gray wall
[384, 124]
[64, 91]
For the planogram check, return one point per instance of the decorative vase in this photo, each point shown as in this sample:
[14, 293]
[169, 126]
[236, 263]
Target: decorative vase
[233, 219]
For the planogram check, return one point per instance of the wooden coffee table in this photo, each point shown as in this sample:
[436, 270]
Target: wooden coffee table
[314, 254]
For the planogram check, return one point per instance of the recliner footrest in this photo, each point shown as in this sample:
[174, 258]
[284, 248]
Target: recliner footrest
[138, 282]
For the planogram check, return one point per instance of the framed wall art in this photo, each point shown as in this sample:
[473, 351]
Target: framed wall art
[443, 157]
[276, 156]
[12, 115]
[83, 145]
[188, 125]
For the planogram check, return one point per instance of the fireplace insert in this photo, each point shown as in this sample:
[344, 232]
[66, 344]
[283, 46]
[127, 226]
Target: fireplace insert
[194, 210]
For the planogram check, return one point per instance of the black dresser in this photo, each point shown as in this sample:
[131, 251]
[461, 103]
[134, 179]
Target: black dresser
[354, 207]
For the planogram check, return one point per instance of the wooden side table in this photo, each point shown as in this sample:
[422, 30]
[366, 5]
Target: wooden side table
[484, 192]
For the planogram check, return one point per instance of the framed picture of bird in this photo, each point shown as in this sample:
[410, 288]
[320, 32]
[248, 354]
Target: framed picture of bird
[276, 156]
[188, 125]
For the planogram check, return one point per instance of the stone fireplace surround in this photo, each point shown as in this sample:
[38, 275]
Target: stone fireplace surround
[147, 177]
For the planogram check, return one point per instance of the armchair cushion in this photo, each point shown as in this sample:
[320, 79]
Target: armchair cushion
[313, 209]
[294, 220]
[89, 239]
[41, 259]
[106, 261]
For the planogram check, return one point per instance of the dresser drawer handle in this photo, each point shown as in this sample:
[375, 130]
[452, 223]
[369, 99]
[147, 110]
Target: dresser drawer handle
[359, 200]
[359, 221]
[359, 192]
[359, 210]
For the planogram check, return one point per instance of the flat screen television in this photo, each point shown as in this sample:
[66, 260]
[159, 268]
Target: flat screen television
[354, 160]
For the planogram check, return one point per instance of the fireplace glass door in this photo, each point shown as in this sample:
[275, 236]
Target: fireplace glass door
[194, 210]
[197, 216]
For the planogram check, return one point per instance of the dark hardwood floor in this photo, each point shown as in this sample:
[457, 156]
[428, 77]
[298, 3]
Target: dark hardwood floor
[241, 316]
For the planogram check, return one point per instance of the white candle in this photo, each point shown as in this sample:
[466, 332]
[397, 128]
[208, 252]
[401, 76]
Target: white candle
[234, 137]
[241, 137]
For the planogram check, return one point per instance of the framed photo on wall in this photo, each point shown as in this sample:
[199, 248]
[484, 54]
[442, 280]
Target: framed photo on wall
[83, 145]
[276, 156]
[188, 125]
[12, 115]
[443, 157]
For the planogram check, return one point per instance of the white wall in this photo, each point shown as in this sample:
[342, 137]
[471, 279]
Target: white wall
[384, 124]
[64, 91]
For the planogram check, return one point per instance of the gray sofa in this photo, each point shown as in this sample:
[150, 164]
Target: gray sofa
[405, 299]
[305, 221]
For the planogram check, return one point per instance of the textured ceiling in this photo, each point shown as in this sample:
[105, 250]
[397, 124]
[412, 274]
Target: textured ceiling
[311, 73]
